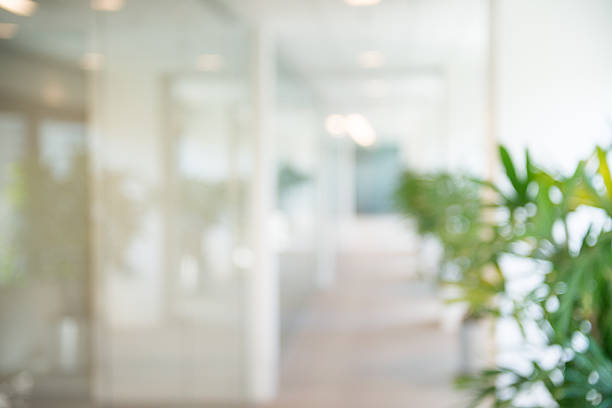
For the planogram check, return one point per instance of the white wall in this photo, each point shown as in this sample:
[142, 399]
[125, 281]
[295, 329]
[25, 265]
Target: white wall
[554, 77]
[466, 74]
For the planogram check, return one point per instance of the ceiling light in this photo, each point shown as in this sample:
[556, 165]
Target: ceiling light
[21, 7]
[92, 61]
[107, 5]
[361, 3]
[371, 59]
[360, 129]
[209, 62]
[335, 125]
[7, 30]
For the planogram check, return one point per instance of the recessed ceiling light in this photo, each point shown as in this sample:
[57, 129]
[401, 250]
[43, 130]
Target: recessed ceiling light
[209, 62]
[371, 59]
[92, 61]
[21, 7]
[361, 3]
[107, 5]
[7, 30]
[360, 129]
[335, 125]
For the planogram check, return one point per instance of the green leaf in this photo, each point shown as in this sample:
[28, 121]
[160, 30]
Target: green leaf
[511, 171]
[529, 169]
[604, 170]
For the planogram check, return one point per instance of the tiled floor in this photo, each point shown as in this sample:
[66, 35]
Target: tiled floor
[374, 340]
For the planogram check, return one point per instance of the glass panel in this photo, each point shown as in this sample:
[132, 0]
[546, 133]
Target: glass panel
[14, 347]
[44, 212]
[297, 144]
[211, 174]
[171, 125]
[377, 171]
[124, 239]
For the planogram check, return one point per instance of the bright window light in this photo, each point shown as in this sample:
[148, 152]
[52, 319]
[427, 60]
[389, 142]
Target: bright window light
[371, 59]
[361, 3]
[209, 62]
[335, 125]
[7, 30]
[21, 7]
[360, 130]
[107, 5]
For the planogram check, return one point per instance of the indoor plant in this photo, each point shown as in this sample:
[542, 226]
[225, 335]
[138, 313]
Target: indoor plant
[531, 220]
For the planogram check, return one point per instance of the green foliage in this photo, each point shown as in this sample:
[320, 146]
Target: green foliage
[450, 208]
[528, 219]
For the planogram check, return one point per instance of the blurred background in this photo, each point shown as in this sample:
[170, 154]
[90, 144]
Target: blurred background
[196, 195]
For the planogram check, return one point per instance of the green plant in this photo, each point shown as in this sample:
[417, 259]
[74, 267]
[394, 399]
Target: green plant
[450, 208]
[530, 219]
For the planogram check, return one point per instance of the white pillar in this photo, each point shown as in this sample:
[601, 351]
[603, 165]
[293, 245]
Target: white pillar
[262, 296]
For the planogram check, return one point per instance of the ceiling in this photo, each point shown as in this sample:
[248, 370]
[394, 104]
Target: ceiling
[165, 34]
[321, 41]
[325, 36]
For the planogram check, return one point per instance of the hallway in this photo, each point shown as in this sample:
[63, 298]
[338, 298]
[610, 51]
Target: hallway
[373, 340]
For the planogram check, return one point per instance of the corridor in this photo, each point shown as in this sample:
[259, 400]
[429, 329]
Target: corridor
[230, 203]
[373, 340]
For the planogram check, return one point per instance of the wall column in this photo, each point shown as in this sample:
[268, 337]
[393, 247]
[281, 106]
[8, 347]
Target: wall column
[262, 304]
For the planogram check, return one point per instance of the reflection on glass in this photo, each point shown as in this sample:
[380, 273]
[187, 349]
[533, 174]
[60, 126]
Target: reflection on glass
[44, 255]
[211, 158]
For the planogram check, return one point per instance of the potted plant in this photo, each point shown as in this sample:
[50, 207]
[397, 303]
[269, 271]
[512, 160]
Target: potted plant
[570, 301]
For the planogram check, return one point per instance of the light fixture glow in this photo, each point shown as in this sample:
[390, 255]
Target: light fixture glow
[92, 61]
[107, 5]
[371, 59]
[361, 3]
[360, 130]
[209, 62]
[7, 30]
[335, 125]
[20, 7]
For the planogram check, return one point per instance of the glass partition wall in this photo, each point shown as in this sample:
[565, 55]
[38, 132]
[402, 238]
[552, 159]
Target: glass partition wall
[45, 279]
[129, 186]
[298, 138]
[172, 113]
